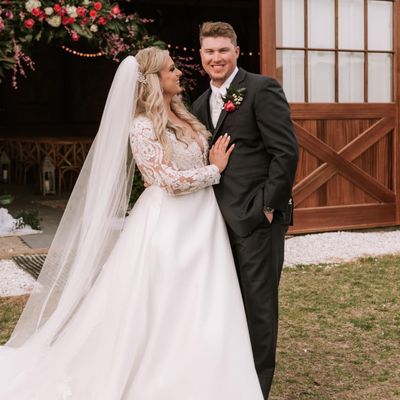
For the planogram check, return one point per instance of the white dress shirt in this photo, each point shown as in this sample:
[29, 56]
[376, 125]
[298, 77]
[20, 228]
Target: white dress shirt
[216, 102]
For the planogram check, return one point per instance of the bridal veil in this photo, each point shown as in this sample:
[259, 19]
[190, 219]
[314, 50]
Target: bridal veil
[92, 221]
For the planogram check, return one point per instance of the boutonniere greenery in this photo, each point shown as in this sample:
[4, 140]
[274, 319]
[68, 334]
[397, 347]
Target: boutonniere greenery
[233, 98]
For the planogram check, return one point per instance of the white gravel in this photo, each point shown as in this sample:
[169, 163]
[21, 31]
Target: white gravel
[335, 247]
[332, 247]
[13, 280]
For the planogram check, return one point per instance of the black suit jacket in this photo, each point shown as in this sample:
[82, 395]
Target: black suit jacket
[262, 167]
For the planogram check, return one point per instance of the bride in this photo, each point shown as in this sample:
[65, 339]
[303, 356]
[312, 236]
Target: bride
[143, 307]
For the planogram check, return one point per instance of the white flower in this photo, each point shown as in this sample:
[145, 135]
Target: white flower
[54, 21]
[94, 28]
[85, 2]
[31, 4]
[48, 10]
[71, 11]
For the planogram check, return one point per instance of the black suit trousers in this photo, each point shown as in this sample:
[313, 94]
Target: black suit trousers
[259, 260]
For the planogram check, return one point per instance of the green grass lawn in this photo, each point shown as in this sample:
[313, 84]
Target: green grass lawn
[339, 331]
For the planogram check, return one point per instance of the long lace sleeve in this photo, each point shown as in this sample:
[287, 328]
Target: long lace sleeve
[149, 157]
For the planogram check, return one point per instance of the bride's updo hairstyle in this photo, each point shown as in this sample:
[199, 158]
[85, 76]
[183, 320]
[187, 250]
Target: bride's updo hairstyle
[150, 101]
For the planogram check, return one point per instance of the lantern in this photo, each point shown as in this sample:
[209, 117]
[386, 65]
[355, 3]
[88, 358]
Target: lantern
[5, 168]
[47, 177]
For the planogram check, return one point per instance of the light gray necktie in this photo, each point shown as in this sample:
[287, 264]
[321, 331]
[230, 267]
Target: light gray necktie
[217, 104]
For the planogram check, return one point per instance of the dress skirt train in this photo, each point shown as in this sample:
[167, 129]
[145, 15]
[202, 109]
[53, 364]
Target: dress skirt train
[163, 321]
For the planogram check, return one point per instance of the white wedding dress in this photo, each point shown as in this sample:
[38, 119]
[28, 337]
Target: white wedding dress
[164, 319]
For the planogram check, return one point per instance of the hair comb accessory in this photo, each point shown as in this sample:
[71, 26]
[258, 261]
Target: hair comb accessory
[141, 78]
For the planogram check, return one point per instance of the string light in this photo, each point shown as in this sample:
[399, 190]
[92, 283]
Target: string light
[80, 54]
[170, 46]
[178, 47]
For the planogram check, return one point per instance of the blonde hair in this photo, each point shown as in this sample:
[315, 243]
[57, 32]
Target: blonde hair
[218, 29]
[150, 102]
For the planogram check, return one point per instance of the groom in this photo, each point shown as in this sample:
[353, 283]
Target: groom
[254, 194]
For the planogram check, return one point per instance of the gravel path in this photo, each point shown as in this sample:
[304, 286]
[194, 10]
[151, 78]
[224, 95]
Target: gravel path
[13, 280]
[335, 247]
[332, 247]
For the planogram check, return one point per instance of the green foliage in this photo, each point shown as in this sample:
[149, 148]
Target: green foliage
[6, 199]
[28, 217]
[236, 96]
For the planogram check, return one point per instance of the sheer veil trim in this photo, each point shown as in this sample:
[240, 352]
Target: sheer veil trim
[92, 221]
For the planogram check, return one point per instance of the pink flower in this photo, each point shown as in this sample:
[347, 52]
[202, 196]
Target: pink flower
[85, 21]
[74, 36]
[101, 21]
[116, 10]
[20, 58]
[9, 14]
[116, 46]
[98, 6]
[29, 23]
[42, 16]
[2, 26]
[81, 11]
[36, 12]
[93, 14]
[229, 106]
[61, 11]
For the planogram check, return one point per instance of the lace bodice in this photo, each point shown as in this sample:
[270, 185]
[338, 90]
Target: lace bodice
[187, 172]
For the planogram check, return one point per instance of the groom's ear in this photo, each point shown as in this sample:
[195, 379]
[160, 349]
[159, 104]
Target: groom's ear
[237, 51]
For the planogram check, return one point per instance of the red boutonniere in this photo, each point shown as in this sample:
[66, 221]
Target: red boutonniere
[233, 98]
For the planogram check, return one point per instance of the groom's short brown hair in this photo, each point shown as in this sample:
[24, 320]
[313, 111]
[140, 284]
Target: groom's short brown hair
[218, 29]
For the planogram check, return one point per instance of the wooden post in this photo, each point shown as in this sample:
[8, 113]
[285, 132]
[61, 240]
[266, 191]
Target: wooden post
[396, 99]
[267, 38]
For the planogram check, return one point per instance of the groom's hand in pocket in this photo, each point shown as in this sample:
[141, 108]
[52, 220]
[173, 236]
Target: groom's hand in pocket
[269, 214]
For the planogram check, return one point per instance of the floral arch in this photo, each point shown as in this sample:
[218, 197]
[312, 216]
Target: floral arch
[99, 25]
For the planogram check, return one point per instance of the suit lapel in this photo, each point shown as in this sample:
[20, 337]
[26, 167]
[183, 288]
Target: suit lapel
[204, 109]
[209, 124]
[221, 119]
[237, 80]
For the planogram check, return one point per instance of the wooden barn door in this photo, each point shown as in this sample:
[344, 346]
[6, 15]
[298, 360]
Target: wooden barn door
[338, 61]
